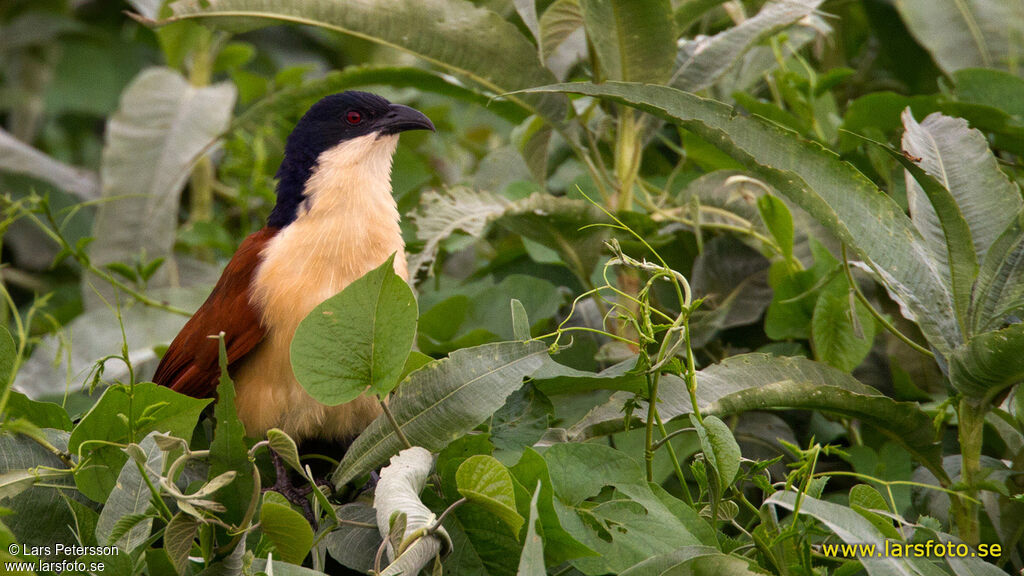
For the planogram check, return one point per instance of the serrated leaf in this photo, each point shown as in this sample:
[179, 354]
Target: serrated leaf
[442, 401]
[486, 482]
[441, 215]
[357, 340]
[228, 451]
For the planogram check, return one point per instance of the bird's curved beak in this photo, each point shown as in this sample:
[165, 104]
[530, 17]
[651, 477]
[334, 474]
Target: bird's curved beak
[401, 118]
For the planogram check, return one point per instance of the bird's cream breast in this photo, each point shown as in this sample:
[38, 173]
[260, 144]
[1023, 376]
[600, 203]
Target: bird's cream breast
[347, 227]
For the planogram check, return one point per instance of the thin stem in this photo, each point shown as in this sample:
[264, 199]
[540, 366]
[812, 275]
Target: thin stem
[878, 315]
[394, 423]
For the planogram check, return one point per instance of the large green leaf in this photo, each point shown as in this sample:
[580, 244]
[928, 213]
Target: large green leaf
[832, 191]
[358, 339]
[454, 34]
[713, 57]
[762, 382]
[443, 400]
[163, 125]
[148, 408]
[968, 33]
[354, 546]
[999, 289]
[989, 363]
[628, 527]
[633, 41]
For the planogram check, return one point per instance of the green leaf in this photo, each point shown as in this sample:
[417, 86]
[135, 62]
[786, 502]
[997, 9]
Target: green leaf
[558, 223]
[630, 526]
[560, 21]
[719, 447]
[442, 401]
[474, 38]
[131, 497]
[228, 451]
[8, 356]
[283, 445]
[520, 321]
[864, 499]
[520, 422]
[486, 482]
[288, 530]
[358, 339]
[178, 538]
[145, 165]
[718, 54]
[851, 528]
[779, 221]
[989, 363]
[108, 420]
[531, 561]
[354, 546]
[842, 328]
[42, 414]
[959, 158]
[762, 382]
[999, 289]
[966, 33]
[559, 545]
[553, 378]
[633, 41]
[667, 563]
[832, 191]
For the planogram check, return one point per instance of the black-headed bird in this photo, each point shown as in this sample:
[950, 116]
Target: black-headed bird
[335, 219]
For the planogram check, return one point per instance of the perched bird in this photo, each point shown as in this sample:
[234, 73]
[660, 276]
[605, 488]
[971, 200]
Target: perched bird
[334, 220]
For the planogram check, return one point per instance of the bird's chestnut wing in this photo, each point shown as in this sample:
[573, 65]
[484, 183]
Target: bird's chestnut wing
[191, 364]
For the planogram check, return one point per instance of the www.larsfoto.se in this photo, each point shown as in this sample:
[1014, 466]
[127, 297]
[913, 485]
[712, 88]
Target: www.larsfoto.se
[929, 549]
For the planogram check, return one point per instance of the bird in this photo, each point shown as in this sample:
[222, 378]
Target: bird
[334, 220]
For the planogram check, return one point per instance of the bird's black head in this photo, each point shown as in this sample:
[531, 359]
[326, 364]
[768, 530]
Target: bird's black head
[331, 121]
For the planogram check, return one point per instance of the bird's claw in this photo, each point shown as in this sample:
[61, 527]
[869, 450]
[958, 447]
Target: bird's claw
[297, 495]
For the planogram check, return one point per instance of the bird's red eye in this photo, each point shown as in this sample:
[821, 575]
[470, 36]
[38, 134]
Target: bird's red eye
[353, 117]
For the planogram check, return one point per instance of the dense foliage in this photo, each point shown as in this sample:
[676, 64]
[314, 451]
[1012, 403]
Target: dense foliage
[699, 286]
